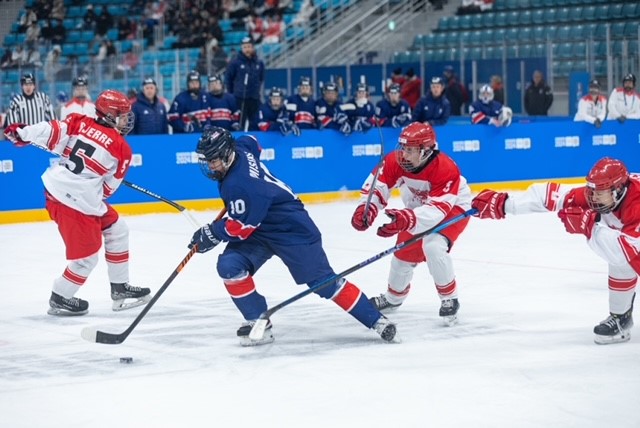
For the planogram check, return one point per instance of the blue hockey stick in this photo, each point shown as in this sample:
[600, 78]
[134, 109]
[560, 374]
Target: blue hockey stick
[258, 329]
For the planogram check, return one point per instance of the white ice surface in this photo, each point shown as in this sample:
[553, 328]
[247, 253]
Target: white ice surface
[521, 356]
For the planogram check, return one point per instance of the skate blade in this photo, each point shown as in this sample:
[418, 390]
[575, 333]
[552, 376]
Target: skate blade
[58, 312]
[608, 340]
[266, 339]
[389, 309]
[122, 304]
[450, 320]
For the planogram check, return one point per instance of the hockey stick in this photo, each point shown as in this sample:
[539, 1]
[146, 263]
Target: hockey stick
[258, 329]
[375, 177]
[93, 335]
[175, 205]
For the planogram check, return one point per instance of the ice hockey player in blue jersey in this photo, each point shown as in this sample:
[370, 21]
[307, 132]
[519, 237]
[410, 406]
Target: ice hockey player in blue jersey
[330, 112]
[274, 116]
[189, 111]
[434, 108]
[223, 109]
[488, 111]
[362, 116]
[393, 111]
[266, 219]
[302, 105]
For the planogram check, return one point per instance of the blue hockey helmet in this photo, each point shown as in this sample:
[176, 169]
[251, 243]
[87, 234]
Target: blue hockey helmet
[215, 143]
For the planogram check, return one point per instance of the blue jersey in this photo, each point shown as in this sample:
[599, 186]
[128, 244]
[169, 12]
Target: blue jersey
[189, 112]
[435, 111]
[259, 205]
[223, 111]
[331, 116]
[151, 117]
[387, 112]
[303, 111]
[268, 117]
[483, 113]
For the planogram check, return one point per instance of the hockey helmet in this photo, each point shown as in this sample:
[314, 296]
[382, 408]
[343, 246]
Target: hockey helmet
[28, 78]
[215, 144]
[606, 185]
[114, 110]
[416, 144]
[486, 94]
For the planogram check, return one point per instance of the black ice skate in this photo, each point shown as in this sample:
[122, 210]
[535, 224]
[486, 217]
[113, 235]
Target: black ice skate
[245, 329]
[615, 329]
[382, 304]
[60, 306]
[449, 311]
[386, 329]
[123, 291]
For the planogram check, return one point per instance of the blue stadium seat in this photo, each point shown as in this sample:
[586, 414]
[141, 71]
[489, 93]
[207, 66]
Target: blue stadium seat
[539, 50]
[465, 22]
[429, 41]
[500, 19]
[580, 65]
[486, 37]
[524, 18]
[476, 20]
[524, 35]
[563, 14]
[600, 67]
[600, 49]
[499, 35]
[524, 4]
[525, 51]
[563, 33]
[454, 23]
[488, 19]
[511, 4]
[512, 51]
[537, 3]
[617, 48]
[577, 32]
[491, 52]
[562, 50]
[440, 39]
[475, 53]
[550, 15]
[589, 13]
[579, 50]
[452, 39]
[537, 17]
[600, 31]
[615, 11]
[630, 10]
[539, 34]
[575, 13]
[633, 48]
[602, 12]
[617, 29]
[443, 23]
[512, 17]
[631, 29]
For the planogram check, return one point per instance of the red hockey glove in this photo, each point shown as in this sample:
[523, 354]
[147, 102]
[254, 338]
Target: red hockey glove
[490, 204]
[359, 222]
[11, 133]
[579, 220]
[400, 220]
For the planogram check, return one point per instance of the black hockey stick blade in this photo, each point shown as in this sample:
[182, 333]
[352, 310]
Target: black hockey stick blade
[258, 329]
[93, 335]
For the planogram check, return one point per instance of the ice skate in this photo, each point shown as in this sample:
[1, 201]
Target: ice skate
[386, 329]
[449, 311]
[60, 306]
[123, 291]
[382, 304]
[245, 329]
[615, 329]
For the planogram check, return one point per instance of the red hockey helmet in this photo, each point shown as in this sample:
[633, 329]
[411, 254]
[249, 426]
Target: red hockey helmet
[114, 109]
[606, 184]
[416, 144]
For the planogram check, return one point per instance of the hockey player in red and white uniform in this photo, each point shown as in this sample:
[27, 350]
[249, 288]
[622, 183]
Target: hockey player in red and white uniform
[94, 159]
[607, 212]
[592, 108]
[433, 191]
[80, 103]
[624, 102]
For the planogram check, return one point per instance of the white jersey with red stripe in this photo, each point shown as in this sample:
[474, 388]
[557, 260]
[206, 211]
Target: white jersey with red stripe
[94, 160]
[615, 238]
[79, 106]
[431, 193]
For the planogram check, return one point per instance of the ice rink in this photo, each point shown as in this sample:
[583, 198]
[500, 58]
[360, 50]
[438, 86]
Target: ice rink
[521, 356]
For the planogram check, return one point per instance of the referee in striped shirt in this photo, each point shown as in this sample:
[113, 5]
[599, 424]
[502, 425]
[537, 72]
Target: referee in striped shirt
[32, 106]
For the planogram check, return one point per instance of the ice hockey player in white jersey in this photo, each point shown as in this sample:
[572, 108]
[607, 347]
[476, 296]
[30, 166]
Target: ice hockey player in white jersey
[607, 212]
[81, 102]
[94, 159]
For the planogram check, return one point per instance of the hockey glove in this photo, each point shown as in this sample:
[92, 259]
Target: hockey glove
[400, 120]
[205, 239]
[597, 123]
[285, 126]
[401, 220]
[490, 204]
[621, 119]
[188, 127]
[579, 220]
[362, 125]
[295, 129]
[345, 128]
[11, 133]
[358, 220]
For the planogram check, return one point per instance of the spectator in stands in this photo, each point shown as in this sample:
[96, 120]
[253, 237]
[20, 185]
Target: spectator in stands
[106, 56]
[393, 111]
[624, 102]
[411, 89]
[33, 58]
[52, 64]
[126, 28]
[434, 108]
[18, 57]
[592, 108]
[274, 116]
[149, 110]
[189, 111]
[486, 110]
[307, 13]
[129, 62]
[104, 23]
[32, 36]
[89, 19]
[275, 7]
[5, 60]
[302, 105]
[58, 32]
[274, 29]
[31, 106]
[244, 78]
[362, 116]
[223, 110]
[455, 91]
[538, 96]
[28, 18]
[498, 88]
[81, 101]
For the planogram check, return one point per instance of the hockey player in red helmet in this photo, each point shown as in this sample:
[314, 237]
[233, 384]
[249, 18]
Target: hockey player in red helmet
[94, 159]
[432, 191]
[607, 212]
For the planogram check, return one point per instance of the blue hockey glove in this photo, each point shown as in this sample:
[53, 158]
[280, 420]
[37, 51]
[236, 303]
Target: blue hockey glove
[400, 120]
[295, 130]
[362, 125]
[285, 126]
[188, 127]
[345, 128]
[341, 118]
[205, 239]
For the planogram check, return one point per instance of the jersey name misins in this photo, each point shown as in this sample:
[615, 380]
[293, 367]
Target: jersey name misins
[254, 171]
[95, 135]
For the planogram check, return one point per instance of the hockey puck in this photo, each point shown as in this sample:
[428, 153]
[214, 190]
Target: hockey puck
[126, 360]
